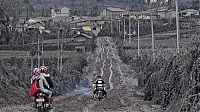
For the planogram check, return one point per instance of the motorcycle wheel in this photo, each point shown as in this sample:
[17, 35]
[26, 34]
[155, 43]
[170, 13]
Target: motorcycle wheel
[99, 98]
[99, 95]
[40, 109]
[45, 109]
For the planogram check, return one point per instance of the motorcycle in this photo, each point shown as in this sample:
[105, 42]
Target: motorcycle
[42, 102]
[100, 94]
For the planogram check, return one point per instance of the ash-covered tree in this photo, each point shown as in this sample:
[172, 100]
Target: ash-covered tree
[95, 11]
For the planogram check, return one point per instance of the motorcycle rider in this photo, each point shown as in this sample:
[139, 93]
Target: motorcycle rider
[43, 73]
[99, 83]
[36, 75]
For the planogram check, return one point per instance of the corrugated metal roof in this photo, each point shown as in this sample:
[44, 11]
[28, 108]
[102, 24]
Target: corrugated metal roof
[115, 9]
[36, 26]
[189, 10]
[85, 35]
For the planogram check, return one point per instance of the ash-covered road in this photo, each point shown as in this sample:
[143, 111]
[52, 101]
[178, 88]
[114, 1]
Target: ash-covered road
[121, 87]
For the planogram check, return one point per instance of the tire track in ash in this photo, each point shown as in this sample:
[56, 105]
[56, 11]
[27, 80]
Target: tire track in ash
[102, 58]
[102, 50]
[116, 61]
[105, 68]
[111, 73]
[115, 102]
[98, 64]
[107, 65]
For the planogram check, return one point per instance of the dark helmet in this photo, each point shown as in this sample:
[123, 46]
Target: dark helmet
[99, 76]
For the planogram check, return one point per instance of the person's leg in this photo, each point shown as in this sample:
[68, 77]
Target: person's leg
[51, 100]
[34, 99]
[105, 93]
[49, 94]
[94, 92]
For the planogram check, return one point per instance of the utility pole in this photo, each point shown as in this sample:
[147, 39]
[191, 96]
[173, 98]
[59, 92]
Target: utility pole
[42, 50]
[129, 27]
[119, 26]
[61, 53]
[177, 27]
[58, 64]
[32, 52]
[111, 25]
[124, 29]
[31, 64]
[152, 34]
[38, 53]
[138, 37]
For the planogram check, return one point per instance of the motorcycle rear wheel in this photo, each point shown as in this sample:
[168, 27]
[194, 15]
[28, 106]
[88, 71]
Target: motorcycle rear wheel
[40, 109]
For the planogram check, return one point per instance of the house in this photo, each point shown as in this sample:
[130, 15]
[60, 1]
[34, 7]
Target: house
[189, 12]
[112, 11]
[164, 13]
[60, 12]
[81, 43]
[38, 20]
[144, 15]
[61, 19]
[60, 15]
[167, 14]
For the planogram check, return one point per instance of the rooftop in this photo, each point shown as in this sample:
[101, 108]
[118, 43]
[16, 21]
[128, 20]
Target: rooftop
[189, 10]
[115, 9]
[82, 34]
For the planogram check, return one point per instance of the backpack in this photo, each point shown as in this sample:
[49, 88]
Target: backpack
[34, 89]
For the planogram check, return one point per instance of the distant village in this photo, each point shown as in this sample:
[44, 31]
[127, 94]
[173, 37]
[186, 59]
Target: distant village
[78, 33]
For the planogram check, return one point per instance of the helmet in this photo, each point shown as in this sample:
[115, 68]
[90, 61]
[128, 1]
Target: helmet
[43, 69]
[36, 71]
[99, 76]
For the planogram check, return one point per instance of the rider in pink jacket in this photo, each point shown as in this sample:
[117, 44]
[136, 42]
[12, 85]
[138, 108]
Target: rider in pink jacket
[36, 74]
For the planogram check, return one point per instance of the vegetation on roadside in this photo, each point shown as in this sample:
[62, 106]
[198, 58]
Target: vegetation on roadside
[15, 75]
[173, 83]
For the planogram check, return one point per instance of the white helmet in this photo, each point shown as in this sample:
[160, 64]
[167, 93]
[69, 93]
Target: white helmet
[36, 71]
[43, 69]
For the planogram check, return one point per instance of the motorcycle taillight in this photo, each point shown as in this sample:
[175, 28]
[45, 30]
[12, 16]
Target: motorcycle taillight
[40, 94]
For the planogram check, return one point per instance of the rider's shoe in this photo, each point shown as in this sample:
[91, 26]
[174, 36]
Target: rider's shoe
[50, 106]
[47, 105]
[34, 105]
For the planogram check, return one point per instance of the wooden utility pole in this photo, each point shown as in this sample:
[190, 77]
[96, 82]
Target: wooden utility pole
[119, 26]
[58, 64]
[177, 26]
[111, 25]
[129, 27]
[38, 53]
[124, 29]
[138, 37]
[32, 52]
[42, 50]
[152, 35]
[61, 53]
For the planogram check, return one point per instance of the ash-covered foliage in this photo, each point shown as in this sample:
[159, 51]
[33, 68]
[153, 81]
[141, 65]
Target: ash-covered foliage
[173, 83]
[15, 75]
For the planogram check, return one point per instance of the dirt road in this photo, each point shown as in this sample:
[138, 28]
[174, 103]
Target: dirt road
[121, 87]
